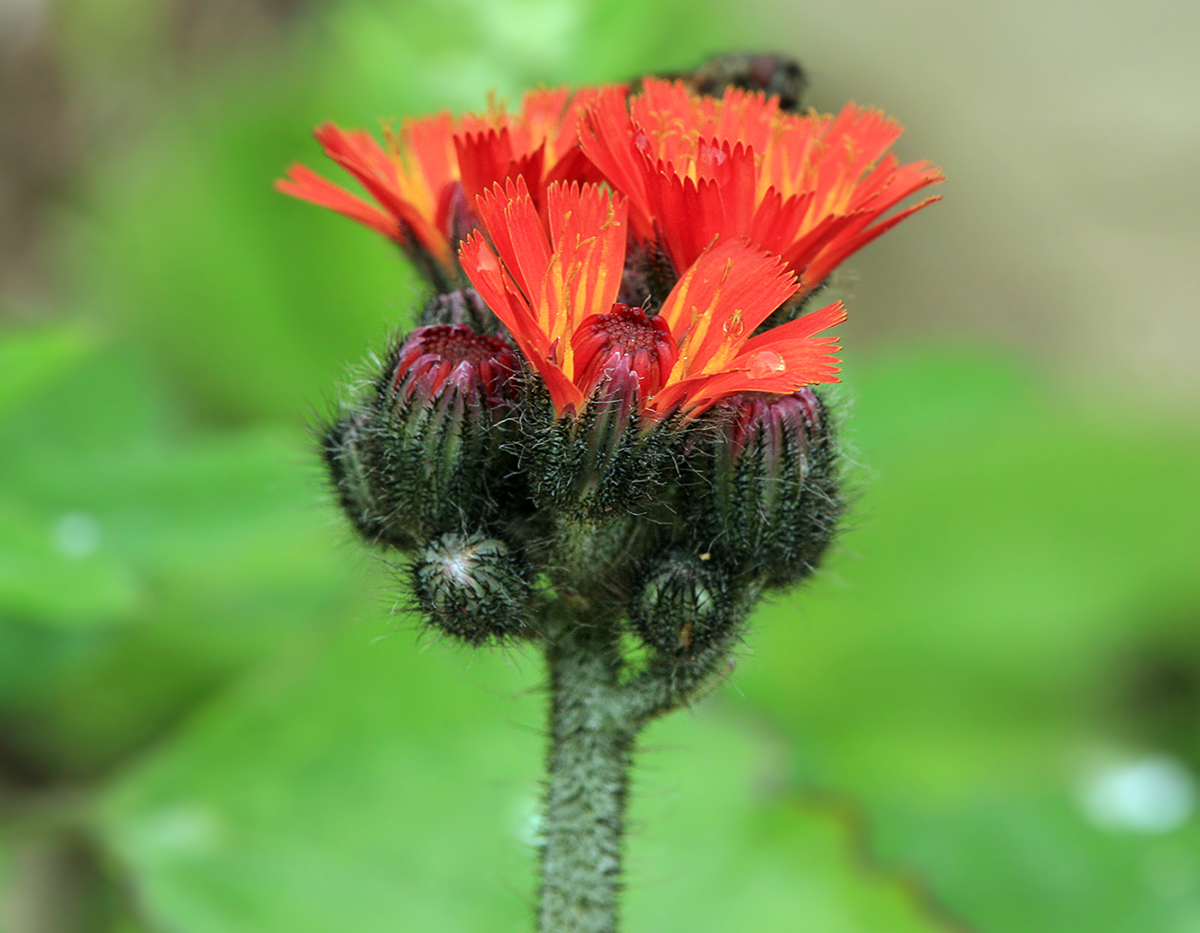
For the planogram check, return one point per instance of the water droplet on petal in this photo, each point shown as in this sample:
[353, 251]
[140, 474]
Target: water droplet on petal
[487, 262]
[711, 156]
[766, 363]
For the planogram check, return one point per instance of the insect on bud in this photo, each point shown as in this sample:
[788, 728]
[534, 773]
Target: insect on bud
[773, 501]
[684, 605]
[417, 458]
[473, 587]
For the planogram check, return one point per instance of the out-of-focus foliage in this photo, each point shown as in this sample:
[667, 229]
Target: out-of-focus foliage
[964, 666]
[191, 644]
[251, 301]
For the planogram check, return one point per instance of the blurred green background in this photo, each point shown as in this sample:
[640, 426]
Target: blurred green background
[983, 715]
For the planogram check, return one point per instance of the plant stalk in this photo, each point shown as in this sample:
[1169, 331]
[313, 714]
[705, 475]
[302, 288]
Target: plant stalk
[595, 716]
[587, 784]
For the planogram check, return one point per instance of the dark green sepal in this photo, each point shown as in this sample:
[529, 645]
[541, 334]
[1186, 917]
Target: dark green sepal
[683, 604]
[767, 494]
[598, 462]
[474, 588]
[351, 452]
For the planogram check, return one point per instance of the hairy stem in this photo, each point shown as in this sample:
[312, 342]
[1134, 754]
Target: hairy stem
[595, 716]
[588, 777]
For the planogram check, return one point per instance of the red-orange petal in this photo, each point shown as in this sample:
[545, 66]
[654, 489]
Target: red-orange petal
[720, 300]
[305, 184]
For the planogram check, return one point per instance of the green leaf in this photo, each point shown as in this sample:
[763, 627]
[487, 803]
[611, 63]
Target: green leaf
[140, 569]
[981, 846]
[358, 785]
[54, 570]
[108, 508]
[371, 786]
[33, 359]
[957, 664]
[721, 844]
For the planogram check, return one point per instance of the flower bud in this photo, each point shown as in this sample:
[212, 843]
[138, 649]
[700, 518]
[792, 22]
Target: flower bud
[418, 458]
[620, 344]
[347, 446]
[771, 502]
[684, 605]
[648, 276]
[607, 457]
[473, 587]
[435, 361]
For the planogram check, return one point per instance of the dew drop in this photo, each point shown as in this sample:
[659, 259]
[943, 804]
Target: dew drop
[766, 363]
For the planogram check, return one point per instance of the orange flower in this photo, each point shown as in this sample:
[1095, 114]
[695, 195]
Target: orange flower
[430, 172]
[553, 277]
[700, 170]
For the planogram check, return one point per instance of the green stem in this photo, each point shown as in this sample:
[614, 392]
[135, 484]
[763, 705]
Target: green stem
[594, 720]
[588, 777]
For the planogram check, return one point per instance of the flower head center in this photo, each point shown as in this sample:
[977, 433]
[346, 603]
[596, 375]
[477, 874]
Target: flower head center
[624, 342]
[441, 353]
[628, 329]
[456, 343]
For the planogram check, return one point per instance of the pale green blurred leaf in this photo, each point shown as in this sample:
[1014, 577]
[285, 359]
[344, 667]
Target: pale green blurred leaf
[720, 845]
[951, 665]
[358, 785]
[52, 569]
[31, 360]
[371, 786]
[140, 567]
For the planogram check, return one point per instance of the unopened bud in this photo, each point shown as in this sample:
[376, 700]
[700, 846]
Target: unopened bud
[624, 342]
[473, 587]
[347, 447]
[684, 605]
[417, 459]
[648, 276]
[772, 500]
[607, 457]
[436, 360]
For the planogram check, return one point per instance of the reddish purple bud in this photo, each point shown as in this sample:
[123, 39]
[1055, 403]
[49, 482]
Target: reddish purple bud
[453, 354]
[769, 423]
[621, 343]
[773, 501]
[417, 457]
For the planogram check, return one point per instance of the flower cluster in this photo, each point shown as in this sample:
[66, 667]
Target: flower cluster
[611, 389]
[425, 180]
